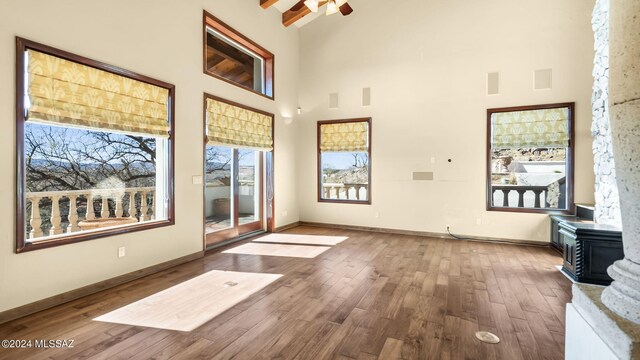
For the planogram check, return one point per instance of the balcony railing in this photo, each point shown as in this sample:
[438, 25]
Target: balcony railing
[56, 212]
[539, 193]
[345, 191]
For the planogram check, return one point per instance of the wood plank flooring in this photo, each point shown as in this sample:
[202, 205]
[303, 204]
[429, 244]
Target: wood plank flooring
[373, 296]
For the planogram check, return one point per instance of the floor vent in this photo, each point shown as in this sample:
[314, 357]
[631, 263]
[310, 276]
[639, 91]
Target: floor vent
[487, 337]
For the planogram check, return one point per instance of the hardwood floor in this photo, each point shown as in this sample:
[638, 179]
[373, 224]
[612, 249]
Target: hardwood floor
[372, 296]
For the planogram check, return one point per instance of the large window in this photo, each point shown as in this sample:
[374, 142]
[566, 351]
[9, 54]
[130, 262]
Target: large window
[232, 57]
[530, 158]
[344, 161]
[94, 149]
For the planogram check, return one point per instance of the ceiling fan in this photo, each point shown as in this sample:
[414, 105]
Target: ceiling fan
[333, 6]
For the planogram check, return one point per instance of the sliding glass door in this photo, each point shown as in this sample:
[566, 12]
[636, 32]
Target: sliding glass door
[233, 193]
[238, 168]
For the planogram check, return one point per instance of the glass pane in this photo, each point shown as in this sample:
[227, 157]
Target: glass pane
[345, 176]
[81, 180]
[248, 190]
[234, 62]
[218, 192]
[533, 178]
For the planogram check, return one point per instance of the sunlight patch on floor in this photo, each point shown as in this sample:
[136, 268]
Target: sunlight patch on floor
[302, 239]
[188, 305]
[300, 251]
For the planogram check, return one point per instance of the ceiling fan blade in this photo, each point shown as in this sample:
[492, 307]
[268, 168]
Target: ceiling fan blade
[346, 9]
[297, 6]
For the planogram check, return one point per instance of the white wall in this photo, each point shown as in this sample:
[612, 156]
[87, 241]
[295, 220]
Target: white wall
[426, 62]
[161, 39]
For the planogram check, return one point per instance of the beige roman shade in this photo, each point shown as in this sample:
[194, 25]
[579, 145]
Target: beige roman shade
[234, 126]
[547, 128]
[67, 93]
[344, 136]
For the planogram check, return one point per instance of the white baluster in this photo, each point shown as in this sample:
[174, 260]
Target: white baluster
[143, 206]
[119, 209]
[73, 214]
[104, 212]
[35, 221]
[91, 213]
[132, 204]
[152, 206]
[55, 216]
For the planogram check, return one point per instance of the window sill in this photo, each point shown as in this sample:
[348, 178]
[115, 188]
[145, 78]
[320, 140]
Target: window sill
[64, 239]
[532, 211]
[356, 202]
[207, 72]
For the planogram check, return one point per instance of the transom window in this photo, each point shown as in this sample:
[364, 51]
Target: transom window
[232, 57]
[344, 161]
[530, 158]
[94, 149]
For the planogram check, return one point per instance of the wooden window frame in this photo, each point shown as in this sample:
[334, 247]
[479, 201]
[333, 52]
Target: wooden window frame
[267, 210]
[319, 167]
[22, 245]
[570, 161]
[209, 20]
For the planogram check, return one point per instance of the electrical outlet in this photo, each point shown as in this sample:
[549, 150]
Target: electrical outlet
[285, 213]
[122, 252]
[376, 215]
[448, 227]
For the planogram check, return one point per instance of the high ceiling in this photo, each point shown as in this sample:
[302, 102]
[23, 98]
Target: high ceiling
[296, 18]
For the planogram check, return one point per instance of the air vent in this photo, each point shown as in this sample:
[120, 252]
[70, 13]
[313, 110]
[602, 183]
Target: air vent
[542, 79]
[366, 96]
[493, 83]
[422, 176]
[333, 101]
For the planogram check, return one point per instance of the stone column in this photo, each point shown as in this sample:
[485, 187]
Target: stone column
[607, 206]
[623, 295]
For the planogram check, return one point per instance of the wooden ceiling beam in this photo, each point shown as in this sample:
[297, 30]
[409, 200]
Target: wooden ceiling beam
[267, 3]
[297, 12]
[221, 48]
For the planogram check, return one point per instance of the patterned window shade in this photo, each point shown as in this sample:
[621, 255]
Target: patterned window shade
[230, 125]
[533, 128]
[347, 136]
[67, 93]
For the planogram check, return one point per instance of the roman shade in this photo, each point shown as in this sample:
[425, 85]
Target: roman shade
[344, 136]
[63, 92]
[547, 128]
[234, 126]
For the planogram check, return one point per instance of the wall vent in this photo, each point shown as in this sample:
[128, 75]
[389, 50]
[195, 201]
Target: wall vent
[542, 79]
[333, 101]
[366, 96]
[423, 176]
[493, 83]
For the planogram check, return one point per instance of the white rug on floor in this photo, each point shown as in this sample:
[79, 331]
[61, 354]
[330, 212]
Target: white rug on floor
[302, 239]
[188, 305]
[278, 250]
